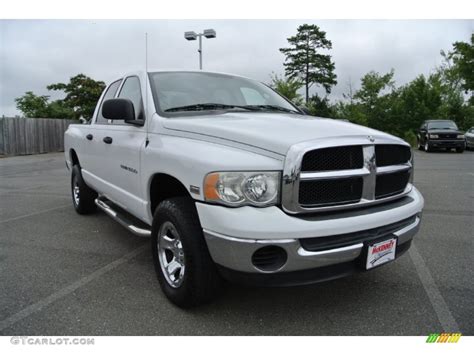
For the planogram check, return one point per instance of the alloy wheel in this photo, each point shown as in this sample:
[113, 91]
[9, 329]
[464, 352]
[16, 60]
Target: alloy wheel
[171, 254]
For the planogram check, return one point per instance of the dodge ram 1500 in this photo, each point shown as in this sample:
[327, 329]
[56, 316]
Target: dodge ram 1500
[232, 181]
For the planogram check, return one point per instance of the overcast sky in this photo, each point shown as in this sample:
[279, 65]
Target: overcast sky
[34, 54]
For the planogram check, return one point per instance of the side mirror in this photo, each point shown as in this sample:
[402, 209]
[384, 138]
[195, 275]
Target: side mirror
[118, 109]
[304, 109]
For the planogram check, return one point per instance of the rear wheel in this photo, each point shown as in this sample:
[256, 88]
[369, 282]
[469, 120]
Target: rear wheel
[83, 197]
[185, 270]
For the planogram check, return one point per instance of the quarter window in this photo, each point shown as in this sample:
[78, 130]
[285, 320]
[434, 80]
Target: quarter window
[131, 90]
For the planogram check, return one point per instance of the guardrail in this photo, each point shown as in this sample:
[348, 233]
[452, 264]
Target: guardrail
[23, 136]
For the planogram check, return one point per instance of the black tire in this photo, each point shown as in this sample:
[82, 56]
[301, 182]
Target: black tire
[84, 203]
[200, 282]
[459, 150]
[420, 146]
[427, 147]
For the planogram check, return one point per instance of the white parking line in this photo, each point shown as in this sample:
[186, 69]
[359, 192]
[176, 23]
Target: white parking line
[443, 313]
[34, 213]
[26, 312]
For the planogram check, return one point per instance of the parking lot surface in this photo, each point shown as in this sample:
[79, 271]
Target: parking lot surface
[65, 274]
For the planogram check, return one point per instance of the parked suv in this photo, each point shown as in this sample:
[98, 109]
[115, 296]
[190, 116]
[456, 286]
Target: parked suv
[230, 180]
[440, 134]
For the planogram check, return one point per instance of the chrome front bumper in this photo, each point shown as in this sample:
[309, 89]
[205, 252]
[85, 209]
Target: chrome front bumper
[234, 234]
[236, 253]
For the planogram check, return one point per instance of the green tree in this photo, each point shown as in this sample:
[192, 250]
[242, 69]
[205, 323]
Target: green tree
[418, 101]
[375, 100]
[33, 106]
[287, 87]
[463, 64]
[372, 86]
[321, 107]
[351, 111]
[304, 61]
[82, 94]
[58, 109]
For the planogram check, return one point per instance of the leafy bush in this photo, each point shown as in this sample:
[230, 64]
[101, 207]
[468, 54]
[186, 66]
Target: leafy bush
[410, 137]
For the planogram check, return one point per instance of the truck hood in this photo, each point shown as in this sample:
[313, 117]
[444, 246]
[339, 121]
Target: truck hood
[268, 131]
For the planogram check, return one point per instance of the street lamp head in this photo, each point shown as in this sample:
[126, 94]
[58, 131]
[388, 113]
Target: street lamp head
[210, 33]
[190, 35]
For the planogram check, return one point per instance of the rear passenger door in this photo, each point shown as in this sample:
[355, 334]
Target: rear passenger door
[92, 163]
[121, 148]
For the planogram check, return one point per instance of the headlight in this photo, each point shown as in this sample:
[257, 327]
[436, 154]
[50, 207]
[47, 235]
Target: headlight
[434, 136]
[238, 188]
[460, 136]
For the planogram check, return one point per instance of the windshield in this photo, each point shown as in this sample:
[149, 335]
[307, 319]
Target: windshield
[194, 91]
[442, 125]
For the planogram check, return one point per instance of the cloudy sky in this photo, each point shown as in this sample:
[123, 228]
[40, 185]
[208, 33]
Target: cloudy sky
[34, 54]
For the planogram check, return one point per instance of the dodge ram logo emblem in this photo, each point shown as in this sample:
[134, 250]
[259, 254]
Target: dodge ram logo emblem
[371, 139]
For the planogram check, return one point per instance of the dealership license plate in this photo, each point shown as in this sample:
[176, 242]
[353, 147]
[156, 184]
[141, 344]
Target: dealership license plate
[381, 253]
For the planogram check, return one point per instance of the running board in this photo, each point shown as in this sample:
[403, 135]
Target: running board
[123, 219]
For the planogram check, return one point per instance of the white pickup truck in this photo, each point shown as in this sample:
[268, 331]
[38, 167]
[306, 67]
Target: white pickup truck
[232, 181]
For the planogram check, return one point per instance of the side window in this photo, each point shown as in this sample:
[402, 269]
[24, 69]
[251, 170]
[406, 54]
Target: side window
[109, 94]
[131, 90]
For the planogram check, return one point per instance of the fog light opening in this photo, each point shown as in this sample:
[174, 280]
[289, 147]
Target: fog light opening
[269, 258]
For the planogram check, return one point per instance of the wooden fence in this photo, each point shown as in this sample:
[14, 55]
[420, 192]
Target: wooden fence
[22, 136]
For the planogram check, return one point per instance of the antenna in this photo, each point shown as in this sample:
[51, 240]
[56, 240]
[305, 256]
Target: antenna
[147, 119]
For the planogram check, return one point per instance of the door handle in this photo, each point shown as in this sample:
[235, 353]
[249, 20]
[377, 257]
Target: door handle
[89, 136]
[107, 140]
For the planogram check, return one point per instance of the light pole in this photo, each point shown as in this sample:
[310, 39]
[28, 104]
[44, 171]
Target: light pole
[192, 36]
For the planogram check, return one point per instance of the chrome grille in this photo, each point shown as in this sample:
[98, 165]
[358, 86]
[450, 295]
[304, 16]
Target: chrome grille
[345, 173]
[447, 135]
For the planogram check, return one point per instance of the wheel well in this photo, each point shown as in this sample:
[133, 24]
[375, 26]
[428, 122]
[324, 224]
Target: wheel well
[164, 186]
[74, 158]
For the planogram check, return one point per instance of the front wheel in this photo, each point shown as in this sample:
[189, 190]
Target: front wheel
[427, 147]
[420, 146]
[185, 270]
[459, 150]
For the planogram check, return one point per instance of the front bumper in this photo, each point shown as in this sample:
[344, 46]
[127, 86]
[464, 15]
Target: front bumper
[437, 144]
[234, 234]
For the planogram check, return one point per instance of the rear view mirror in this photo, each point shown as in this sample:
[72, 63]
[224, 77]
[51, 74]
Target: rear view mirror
[118, 109]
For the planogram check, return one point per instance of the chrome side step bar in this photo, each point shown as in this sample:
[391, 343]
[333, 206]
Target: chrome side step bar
[122, 218]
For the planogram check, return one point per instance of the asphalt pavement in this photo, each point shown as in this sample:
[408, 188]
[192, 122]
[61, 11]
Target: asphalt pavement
[66, 274]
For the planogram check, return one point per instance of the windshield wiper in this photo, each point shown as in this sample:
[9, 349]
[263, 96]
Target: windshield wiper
[209, 106]
[272, 108]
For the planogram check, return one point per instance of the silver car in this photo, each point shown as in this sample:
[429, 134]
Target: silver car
[470, 138]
